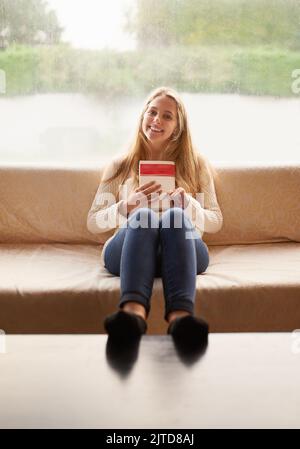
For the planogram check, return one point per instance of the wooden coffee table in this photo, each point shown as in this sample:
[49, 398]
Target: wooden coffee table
[244, 380]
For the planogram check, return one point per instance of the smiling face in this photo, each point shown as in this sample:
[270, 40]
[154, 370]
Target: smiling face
[160, 122]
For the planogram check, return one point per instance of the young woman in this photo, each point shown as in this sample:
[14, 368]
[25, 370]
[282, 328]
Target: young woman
[137, 252]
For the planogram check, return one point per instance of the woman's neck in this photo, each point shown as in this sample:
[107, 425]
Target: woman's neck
[157, 155]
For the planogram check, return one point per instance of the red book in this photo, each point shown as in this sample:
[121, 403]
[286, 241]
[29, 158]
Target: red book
[162, 172]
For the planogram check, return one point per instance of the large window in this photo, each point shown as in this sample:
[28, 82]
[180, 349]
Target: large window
[74, 75]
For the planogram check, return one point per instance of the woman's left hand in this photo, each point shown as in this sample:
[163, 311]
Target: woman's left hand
[179, 197]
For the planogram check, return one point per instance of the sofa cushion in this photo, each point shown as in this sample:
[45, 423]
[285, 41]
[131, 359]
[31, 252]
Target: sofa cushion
[62, 288]
[40, 204]
[259, 204]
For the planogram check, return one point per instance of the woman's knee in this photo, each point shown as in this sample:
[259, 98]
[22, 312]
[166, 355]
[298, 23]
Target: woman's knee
[143, 217]
[175, 217]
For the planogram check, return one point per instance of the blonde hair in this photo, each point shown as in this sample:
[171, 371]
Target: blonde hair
[192, 169]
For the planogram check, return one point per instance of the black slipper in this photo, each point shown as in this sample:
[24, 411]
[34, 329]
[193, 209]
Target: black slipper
[125, 326]
[189, 331]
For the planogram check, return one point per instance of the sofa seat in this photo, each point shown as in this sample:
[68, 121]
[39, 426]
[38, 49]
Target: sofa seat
[62, 288]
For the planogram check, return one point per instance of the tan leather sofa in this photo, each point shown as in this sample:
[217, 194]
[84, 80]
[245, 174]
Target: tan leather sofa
[51, 280]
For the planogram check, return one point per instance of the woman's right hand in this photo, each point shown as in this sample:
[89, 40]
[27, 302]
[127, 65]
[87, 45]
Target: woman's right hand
[141, 196]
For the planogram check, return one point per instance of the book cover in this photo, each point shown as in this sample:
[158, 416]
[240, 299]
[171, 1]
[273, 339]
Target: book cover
[163, 172]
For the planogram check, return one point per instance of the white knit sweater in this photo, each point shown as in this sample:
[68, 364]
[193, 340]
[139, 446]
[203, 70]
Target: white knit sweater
[105, 215]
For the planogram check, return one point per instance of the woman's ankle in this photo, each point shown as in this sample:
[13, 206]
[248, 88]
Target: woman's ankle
[177, 314]
[136, 308]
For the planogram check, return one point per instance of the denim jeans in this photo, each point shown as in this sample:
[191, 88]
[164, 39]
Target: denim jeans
[146, 247]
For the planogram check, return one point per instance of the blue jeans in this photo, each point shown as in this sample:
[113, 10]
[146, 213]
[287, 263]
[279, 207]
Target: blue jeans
[146, 247]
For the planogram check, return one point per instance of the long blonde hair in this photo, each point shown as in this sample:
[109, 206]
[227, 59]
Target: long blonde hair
[192, 169]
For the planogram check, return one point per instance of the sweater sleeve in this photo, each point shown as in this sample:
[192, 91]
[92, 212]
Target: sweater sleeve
[105, 212]
[204, 211]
